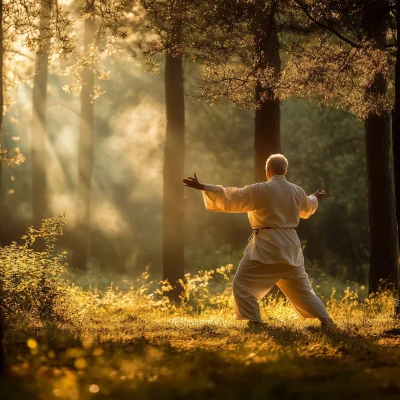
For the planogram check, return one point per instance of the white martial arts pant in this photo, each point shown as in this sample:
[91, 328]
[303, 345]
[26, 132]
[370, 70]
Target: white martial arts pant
[253, 280]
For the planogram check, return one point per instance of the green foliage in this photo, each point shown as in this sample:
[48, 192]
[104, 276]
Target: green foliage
[32, 282]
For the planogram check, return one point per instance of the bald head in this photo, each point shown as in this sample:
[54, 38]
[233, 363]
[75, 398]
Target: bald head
[277, 164]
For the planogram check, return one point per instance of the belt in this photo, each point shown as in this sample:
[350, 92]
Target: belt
[255, 230]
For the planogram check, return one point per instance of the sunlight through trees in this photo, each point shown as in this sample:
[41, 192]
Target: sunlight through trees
[113, 278]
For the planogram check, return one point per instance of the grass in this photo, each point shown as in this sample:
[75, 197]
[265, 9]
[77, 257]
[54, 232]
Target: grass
[120, 349]
[129, 341]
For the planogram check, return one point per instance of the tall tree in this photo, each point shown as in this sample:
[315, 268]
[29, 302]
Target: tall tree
[267, 113]
[237, 44]
[396, 131]
[2, 360]
[396, 117]
[383, 247]
[168, 18]
[85, 152]
[174, 154]
[1, 102]
[355, 75]
[174, 157]
[38, 146]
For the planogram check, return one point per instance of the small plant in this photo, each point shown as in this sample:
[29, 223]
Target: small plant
[207, 289]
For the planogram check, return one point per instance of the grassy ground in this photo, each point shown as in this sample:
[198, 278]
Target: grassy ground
[121, 348]
[90, 341]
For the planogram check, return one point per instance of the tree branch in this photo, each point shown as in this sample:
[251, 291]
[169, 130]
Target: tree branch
[326, 27]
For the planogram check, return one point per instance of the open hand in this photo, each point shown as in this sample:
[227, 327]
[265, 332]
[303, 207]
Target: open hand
[319, 194]
[193, 182]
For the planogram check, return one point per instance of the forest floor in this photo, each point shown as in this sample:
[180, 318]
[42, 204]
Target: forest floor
[122, 351]
[76, 337]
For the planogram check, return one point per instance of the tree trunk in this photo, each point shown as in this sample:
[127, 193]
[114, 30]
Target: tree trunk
[2, 358]
[381, 202]
[396, 134]
[173, 206]
[267, 116]
[38, 145]
[1, 117]
[85, 161]
[382, 229]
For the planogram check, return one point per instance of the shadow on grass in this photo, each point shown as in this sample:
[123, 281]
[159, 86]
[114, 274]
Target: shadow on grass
[143, 369]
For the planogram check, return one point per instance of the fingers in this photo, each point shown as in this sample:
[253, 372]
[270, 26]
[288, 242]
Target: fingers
[192, 182]
[191, 179]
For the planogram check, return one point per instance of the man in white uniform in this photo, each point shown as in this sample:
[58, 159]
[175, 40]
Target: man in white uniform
[273, 254]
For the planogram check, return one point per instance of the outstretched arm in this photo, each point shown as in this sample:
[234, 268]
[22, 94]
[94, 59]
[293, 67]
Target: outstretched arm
[230, 200]
[310, 204]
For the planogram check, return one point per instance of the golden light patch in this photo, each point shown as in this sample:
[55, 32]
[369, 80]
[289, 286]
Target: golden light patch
[32, 343]
[80, 363]
[94, 388]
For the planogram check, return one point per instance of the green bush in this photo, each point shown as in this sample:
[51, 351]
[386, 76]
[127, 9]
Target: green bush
[31, 280]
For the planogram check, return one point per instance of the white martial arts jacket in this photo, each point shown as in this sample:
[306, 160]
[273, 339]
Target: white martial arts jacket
[277, 204]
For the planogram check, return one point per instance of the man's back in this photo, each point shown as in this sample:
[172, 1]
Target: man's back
[280, 204]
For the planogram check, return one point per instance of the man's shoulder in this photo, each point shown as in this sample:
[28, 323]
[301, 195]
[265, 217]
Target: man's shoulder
[296, 186]
[298, 189]
[272, 184]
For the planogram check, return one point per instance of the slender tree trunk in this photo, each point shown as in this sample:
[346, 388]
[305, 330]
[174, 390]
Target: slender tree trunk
[173, 210]
[39, 184]
[396, 135]
[1, 118]
[381, 201]
[2, 358]
[396, 125]
[267, 116]
[85, 161]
